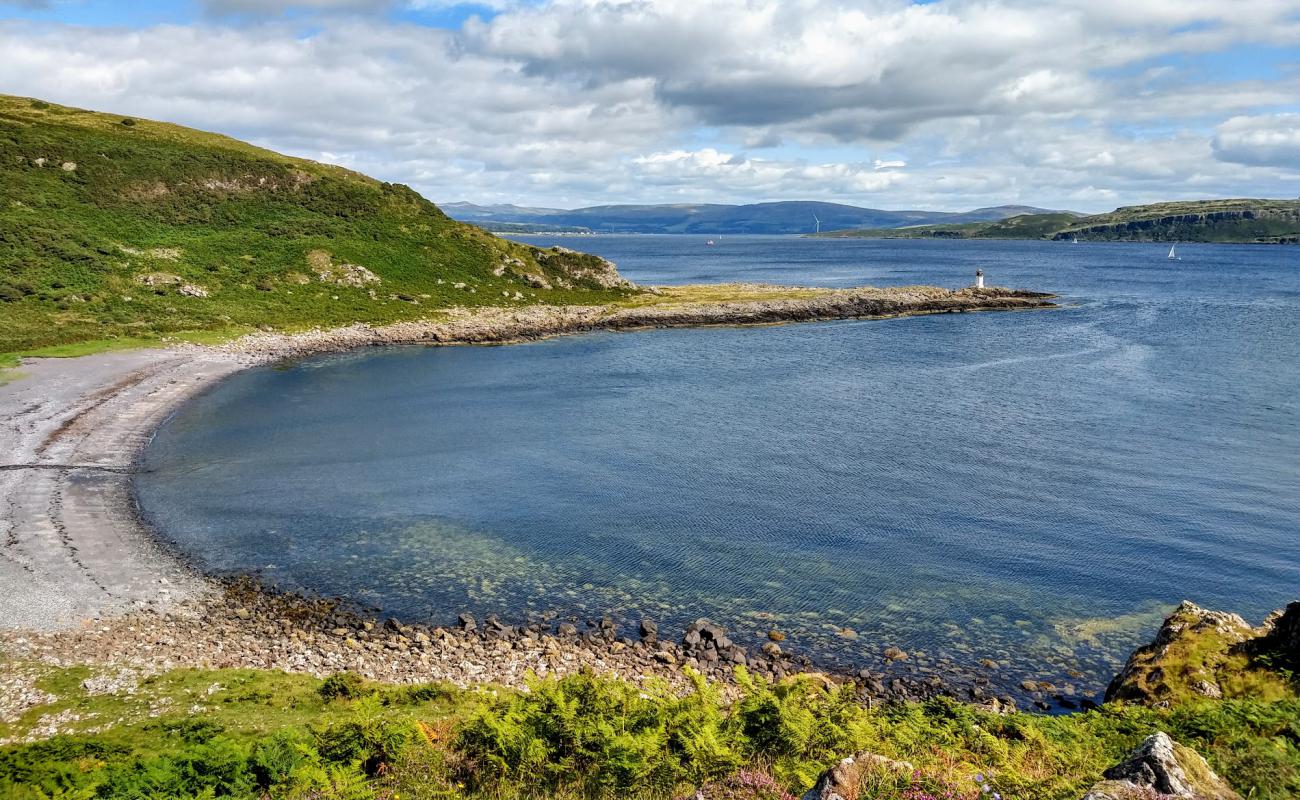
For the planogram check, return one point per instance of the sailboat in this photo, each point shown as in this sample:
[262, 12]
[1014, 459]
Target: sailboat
[1076, 240]
[1172, 255]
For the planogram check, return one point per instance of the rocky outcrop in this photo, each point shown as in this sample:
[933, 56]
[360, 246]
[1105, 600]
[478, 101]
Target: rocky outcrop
[1184, 658]
[1162, 767]
[339, 273]
[569, 268]
[844, 780]
[1211, 654]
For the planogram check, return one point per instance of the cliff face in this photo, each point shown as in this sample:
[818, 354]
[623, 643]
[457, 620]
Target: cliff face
[1265, 225]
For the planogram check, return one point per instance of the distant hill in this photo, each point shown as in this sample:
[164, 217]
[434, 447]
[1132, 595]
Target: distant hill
[1237, 220]
[115, 227]
[787, 217]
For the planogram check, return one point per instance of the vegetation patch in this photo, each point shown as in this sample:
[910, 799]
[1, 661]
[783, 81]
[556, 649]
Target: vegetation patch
[141, 231]
[254, 734]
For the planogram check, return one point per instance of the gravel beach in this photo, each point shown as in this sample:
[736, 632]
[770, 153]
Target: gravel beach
[85, 580]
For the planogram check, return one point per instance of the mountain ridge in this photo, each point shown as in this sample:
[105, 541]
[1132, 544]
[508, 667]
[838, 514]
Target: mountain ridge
[774, 217]
[1230, 220]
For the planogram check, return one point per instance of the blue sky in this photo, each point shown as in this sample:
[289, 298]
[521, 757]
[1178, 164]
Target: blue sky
[949, 104]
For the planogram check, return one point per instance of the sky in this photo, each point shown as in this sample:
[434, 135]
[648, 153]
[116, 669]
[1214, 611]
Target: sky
[947, 105]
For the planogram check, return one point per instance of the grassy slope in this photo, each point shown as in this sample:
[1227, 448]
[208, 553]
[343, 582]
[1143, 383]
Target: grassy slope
[242, 733]
[235, 220]
[1193, 221]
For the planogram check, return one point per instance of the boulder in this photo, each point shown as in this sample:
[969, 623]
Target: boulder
[1161, 765]
[649, 630]
[844, 780]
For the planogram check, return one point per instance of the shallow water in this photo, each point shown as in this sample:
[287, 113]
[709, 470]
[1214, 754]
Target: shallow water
[1035, 487]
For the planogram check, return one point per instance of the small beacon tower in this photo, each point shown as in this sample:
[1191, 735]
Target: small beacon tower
[979, 279]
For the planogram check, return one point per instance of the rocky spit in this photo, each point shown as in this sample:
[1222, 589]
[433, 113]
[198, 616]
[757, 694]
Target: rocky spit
[505, 325]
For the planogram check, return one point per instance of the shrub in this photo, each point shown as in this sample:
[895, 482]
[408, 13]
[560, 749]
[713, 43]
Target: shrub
[598, 736]
[342, 686]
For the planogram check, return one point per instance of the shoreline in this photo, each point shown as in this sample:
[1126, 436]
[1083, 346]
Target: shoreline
[87, 575]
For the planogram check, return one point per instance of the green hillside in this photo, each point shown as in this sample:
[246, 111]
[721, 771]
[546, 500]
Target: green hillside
[1236, 221]
[114, 228]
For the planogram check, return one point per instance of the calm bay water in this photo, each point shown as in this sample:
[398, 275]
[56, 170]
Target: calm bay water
[1037, 488]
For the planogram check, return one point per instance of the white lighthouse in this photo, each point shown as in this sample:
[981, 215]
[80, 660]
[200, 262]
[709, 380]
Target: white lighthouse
[979, 279]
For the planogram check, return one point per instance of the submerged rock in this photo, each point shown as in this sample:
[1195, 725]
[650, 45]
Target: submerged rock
[1163, 766]
[895, 654]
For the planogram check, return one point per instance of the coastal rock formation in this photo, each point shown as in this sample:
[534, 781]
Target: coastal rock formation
[1161, 766]
[1211, 654]
[844, 780]
[1186, 656]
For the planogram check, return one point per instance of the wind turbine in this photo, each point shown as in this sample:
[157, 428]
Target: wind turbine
[819, 223]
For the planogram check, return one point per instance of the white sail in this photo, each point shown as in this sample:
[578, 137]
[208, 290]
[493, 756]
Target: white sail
[1171, 251]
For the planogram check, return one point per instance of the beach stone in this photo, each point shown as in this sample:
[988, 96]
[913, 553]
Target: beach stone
[776, 635]
[649, 629]
[895, 654]
[566, 629]
[467, 622]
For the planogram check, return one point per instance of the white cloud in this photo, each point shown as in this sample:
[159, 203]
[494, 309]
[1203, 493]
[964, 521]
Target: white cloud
[264, 7]
[574, 102]
[1267, 141]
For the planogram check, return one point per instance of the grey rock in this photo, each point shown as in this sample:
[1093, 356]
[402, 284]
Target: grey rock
[1162, 765]
[843, 781]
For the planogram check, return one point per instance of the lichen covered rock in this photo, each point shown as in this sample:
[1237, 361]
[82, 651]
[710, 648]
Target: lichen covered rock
[1161, 767]
[844, 780]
